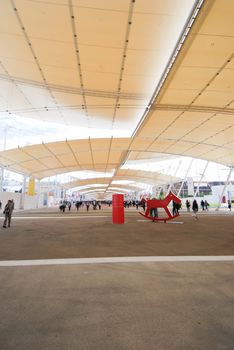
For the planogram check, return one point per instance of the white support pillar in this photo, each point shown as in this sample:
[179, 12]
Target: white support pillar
[176, 171]
[158, 191]
[2, 178]
[2, 167]
[22, 197]
[185, 177]
[201, 178]
[48, 191]
[38, 193]
[224, 188]
[154, 191]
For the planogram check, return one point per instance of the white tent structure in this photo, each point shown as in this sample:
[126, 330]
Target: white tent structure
[159, 69]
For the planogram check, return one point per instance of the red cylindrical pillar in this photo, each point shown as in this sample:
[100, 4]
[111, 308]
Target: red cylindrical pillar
[118, 209]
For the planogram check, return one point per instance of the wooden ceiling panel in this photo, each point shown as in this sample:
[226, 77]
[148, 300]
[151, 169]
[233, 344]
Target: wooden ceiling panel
[192, 78]
[179, 147]
[60, 54]
[45, 20]
[161, 145]
[198, 150]
[103, 28]
[219, 20]
[140, 143]
[58, 148]
[107, 59]
[214, 99]
[79, 146]
[208, 51]
[224, 82]
[68, 160]
[61, 76]
[100, 81]
[22, 68]
[177, 96]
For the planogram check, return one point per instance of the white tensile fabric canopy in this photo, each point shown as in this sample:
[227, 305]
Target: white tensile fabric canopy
[58, 66]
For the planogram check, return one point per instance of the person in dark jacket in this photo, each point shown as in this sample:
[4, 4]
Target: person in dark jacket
[195, 208]
[203, 204]
[9, 207]
[188, 205]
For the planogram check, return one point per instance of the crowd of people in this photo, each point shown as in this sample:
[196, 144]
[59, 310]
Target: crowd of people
[203, 204]
[79, 204]
[97, 205]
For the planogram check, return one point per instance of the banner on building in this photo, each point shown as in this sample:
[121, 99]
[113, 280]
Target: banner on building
[190, 186]
[31, 186]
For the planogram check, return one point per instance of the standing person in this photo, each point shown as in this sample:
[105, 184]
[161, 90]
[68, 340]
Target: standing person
[178, 207]
[69, 206]
[188, 205]
[0, 205]
[229, 205]
[174, 208]
[203, 204]
[87, 206]
[195, 208]
[206, 205]
[9, 207]
[64, 206]
[143, 203]
[154, 211]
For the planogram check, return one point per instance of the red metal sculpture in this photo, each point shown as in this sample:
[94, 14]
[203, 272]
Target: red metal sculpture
[161, 203]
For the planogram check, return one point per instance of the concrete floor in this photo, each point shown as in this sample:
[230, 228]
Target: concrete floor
[148, 305]
[49, 234]
[177, 306]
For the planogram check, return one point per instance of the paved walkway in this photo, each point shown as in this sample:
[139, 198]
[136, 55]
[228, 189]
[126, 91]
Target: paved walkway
[76, 281]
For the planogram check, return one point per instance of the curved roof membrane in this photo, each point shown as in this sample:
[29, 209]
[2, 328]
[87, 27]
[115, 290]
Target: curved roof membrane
[117, 71]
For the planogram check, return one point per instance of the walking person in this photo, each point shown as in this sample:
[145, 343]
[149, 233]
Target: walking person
[77, 205]
[229, 205]
[203, 204]
[0, 205]
[69, 206]
[195, 208]
[188, 205]
[9, 207]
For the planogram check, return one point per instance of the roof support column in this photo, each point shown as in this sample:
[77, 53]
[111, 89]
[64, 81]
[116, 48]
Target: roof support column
[176, 171]
[22, 197]
[2, 167]
[154, 191]
[224, 188]
[201, 178]
[38, 193]
[185, 177]
[2, 178]
[48, 192]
